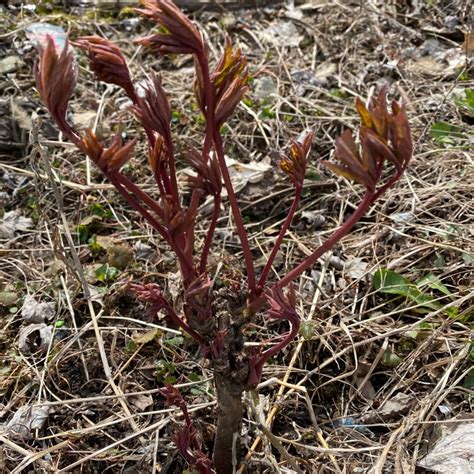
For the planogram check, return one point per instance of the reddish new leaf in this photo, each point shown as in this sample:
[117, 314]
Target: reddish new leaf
[107, 62]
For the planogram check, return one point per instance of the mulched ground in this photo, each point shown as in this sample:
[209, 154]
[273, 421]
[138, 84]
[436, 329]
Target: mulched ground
[374, 379]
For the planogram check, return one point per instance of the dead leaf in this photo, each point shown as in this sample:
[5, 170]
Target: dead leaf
[147, 336]
[403, 217]
[141, 402]
[35, 338]
[454, 453]
[143, 251]
[12, 222]
[10, 64]
[35, 312]
[119, 254]
[96, 294]
[336, 262]
[281, 33]
[5, 198]
[356, 268]
[90, 219]
[20, 115]
[426, 66]
[311, 220]
[242, 174]
[55, 268]
[312, 5]
[325, 69]
[26, 419]
[364, 386]
[85, 119]
[393, 408]
[264, 88]
[8, 298]
[468, 45]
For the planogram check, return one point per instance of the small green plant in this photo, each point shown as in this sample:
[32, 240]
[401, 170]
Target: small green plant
[428, 293]
[447, 134]
[466, 103]
[106, 273]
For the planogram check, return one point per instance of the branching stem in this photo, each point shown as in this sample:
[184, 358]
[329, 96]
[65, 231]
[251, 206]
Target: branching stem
[137, 191]
[182, 323]
[309, 261]
[117, 180]
[239, 223]
[211, 125]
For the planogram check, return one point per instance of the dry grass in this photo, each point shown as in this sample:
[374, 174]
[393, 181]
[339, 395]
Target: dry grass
[99, 377]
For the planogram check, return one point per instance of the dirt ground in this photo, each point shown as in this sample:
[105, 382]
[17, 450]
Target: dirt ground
[377, 378]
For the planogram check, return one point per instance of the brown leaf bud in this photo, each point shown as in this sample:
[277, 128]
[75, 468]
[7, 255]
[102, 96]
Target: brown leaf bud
[107, 159]
[384, 136]
[180, 36]
[295, 163]
[56, 77]
[153, 109]
[107, 62]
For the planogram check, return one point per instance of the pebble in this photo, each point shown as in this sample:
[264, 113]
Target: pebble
[10, 64]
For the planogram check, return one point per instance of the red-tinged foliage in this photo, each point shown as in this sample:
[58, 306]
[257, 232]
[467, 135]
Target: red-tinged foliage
[157, 156]
[198, 304]
[230, 99]
[216, 320]
[208, 177]
[179, 35]
[108, 159]
[229, 81]
[151, 293]
[107, 62]
[153, 109]
[294, 165]
[230, 66]
[384, 137]
[174, 217]
[281, 306]
[186, 439]
[56, 78]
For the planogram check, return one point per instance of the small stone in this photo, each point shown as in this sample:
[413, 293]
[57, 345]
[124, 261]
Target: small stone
[8, 298]
[10, 64]
[228, 21]
[265, 87]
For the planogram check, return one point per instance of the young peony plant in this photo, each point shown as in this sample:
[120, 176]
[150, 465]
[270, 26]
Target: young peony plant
[215, 319]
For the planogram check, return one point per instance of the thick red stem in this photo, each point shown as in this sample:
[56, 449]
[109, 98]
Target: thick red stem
[173, 182]
[192, 211]
[130, 198]
[183, 324]
[117, 179]
[212, 126]
[255, 373]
